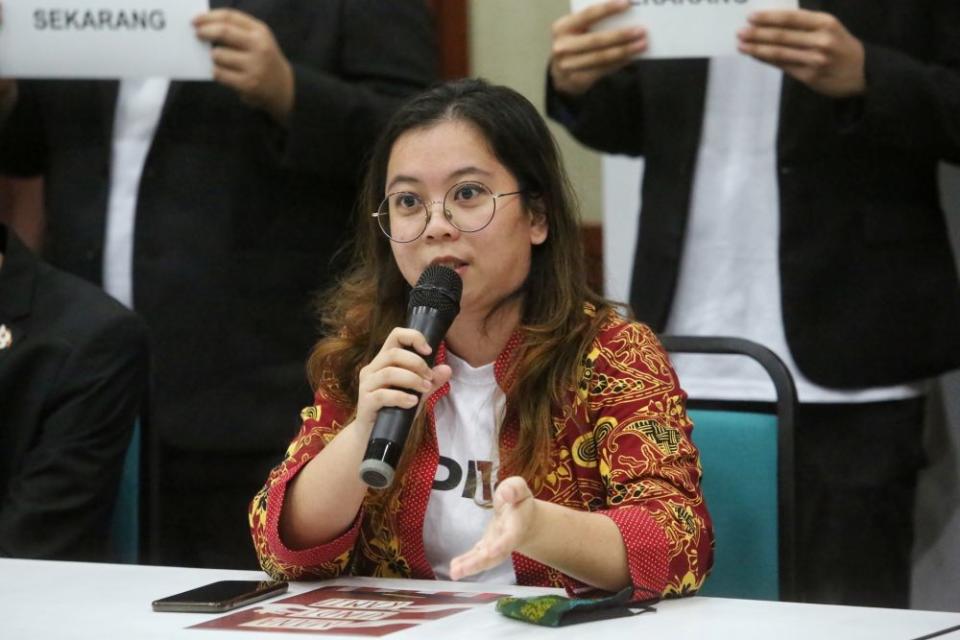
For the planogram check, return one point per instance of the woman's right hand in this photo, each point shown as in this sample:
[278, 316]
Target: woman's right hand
[580, 57]
[385, 380]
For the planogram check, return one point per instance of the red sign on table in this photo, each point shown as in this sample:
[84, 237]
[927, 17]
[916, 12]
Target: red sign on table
[362, 611]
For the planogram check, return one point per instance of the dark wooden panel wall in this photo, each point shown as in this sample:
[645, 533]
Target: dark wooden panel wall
[453, 37]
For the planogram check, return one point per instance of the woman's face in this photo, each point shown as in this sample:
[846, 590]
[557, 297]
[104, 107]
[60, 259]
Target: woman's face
[494, 261]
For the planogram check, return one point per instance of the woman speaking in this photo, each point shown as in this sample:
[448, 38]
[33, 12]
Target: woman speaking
[551, 447]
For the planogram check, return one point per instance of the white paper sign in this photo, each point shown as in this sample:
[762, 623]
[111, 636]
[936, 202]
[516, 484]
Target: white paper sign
[687, 28]
[103, 39]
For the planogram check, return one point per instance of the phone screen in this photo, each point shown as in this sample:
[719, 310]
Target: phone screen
[220, 596]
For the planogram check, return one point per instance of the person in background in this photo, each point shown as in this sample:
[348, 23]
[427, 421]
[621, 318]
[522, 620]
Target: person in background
[790, 197]
[546, 410]
[73, 373]
[214, 210]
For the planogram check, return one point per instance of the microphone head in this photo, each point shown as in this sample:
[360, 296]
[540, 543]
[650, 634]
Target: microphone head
[439, 288]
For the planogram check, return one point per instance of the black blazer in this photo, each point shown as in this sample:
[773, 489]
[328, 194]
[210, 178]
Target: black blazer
[71, 382]
[869, 285]
[237, 219]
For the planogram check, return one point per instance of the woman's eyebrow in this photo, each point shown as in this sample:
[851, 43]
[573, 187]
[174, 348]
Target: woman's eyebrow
[459, 173]
[401, 178]
[454, 175]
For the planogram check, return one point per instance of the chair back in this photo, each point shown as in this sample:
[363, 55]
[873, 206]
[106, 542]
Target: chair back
[125, 527]
[748, 480]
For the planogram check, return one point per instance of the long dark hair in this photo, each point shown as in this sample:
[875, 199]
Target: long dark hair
[370, 300]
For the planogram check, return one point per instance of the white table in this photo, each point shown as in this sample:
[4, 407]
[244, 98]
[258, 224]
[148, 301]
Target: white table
[71, 600]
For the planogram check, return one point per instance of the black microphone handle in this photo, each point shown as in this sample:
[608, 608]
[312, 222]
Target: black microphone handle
[392, 426]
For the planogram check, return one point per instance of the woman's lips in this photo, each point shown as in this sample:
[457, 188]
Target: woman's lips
[451, 263]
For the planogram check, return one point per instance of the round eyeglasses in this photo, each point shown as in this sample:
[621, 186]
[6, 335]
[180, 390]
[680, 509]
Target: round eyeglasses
[469, 206]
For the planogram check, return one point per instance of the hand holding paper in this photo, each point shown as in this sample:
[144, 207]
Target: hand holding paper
[247, 59]
[581, 56]
[815, 48]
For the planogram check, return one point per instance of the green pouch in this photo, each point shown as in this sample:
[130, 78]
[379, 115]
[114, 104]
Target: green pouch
[558, 611]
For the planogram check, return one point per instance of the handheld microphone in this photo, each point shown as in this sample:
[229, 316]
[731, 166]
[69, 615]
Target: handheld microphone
[434, 303]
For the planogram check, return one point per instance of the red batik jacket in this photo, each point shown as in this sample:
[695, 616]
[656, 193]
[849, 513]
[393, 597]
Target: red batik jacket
[622, 448]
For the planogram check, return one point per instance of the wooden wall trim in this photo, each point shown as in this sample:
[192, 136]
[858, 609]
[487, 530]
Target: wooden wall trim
[591, 235]
[453, 37]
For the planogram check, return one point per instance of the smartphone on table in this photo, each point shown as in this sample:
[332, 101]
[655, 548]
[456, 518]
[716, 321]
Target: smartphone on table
[221, 596]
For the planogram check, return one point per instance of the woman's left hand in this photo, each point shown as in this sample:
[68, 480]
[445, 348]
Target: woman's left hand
[512, 526]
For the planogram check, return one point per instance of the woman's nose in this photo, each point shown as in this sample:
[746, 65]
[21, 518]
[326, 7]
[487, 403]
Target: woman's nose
[439, 221]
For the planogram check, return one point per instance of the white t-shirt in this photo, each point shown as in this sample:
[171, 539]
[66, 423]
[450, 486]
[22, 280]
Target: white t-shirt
[461, 502]
[139, 105]
[729, 281]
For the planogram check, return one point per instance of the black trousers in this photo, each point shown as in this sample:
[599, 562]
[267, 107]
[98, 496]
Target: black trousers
[857, 467]
[856, 475]
[200, 515]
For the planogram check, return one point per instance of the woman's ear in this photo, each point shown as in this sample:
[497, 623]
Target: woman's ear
[539, 228]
